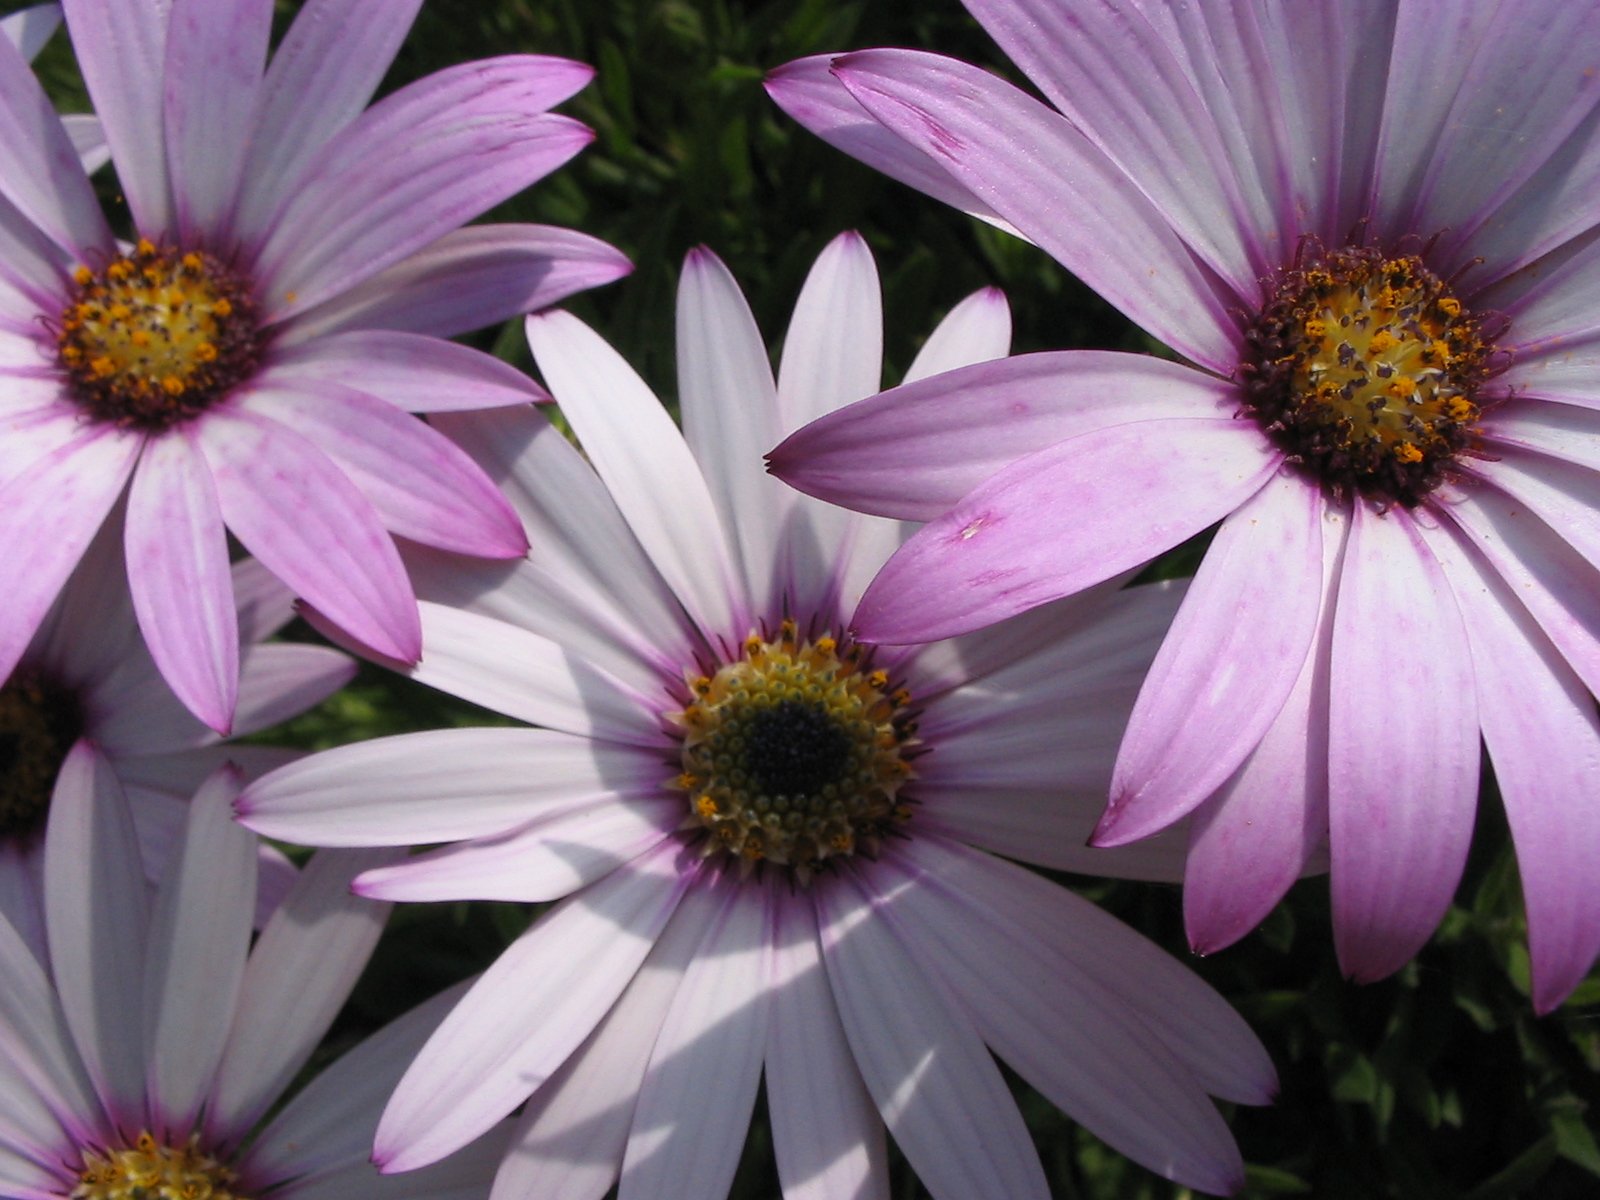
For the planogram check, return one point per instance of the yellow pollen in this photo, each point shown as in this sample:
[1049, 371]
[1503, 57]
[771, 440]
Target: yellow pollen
[149, 1170]
[793, 754]
[1365, 369]
[156, 337]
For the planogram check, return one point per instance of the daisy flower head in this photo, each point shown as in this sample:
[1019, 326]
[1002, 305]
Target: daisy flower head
[1382, 273]
[246, 360]
[86, 711]
[775, 851]
[143, 1054]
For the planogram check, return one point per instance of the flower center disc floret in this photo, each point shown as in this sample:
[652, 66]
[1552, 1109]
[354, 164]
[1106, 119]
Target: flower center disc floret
[795, 753]
[38, 725]
[1364, 367]
[156, 336]
[149, 1170]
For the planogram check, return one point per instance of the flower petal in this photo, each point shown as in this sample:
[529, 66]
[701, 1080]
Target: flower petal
[729, 408]
[322, 75]
[298, 977]
[177, 553]
[199, 933]
[827, 1136]
[408, 370]
[916, 450]
[413, 167]
[282, 681]
[53, 510]
[440, 785]
[40, 171]
[421, 484]
[552, 856]
[1061, 520]
[639, 453]
[121, 49]
[1529, 702]
[809, 92]
[96, 918]
[1112, 1029]
[928, 1071]
[710, 1047]
[542, 997]
[1402, 746]
[211, 79]
[308, 524]
[468, 279]
[1031, 165]
[1116, 80]
[1228, 664]
[1268, 823]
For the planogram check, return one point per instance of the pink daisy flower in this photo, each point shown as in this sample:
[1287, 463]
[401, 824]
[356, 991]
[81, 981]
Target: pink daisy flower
[85, 710]
[771, 845]
[141, 1057]
[248, 362]
[1384, 272]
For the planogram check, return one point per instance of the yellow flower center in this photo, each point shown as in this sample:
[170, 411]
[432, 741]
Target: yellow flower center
[38, 724]
[795, 753]
[149, 1170]
[1365, 369]
[156, 336]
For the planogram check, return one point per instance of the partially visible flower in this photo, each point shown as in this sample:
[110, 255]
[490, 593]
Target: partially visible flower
[773, 843]
[142, 1056]
[1386, 270]
[29, 29]
[249, 361]
[87, 691]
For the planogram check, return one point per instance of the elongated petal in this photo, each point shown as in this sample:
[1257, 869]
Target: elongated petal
[1529, 701]
[928, 1071]
[529, 677]
[809, 92]
[178, 572]
[299, 975]
[976, 330]
[590, 587]
[39, 168]
[551, 856]
[199, 933]
[1225, 669]
[730, 416]
[1110, 72]
[30, 28]
[440, 785]
[540, 1000]
[410, 371]
[37, 1041]
[212, 76]
[1262, 828]
[308, 524]
[421, 162]
[422, 485]
[328, 1125]
[1062, 520]
[571, 1137]
[121, 49]
[1102, 1064]
[639, 453]
[53, 510]
[322, 75]
[96, 917]
[826, 1134]
[1402, 746]
[282, 681]
[470, 278]
[711, 1043]
[916, 450]
[1031, 165]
